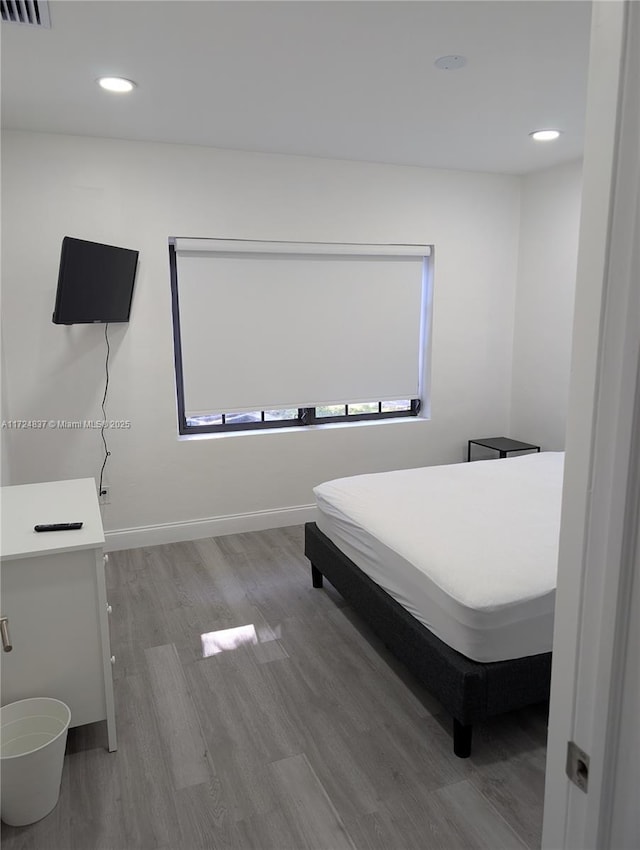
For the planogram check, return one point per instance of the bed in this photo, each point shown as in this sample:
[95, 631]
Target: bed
[454, 567]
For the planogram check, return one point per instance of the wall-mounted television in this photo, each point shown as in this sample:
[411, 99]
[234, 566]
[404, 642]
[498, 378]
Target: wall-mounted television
[95, 283]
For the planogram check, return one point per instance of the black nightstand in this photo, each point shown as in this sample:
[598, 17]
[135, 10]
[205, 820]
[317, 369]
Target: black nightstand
[503, 445]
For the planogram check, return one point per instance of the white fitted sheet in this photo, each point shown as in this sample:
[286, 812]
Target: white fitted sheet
[469, 549]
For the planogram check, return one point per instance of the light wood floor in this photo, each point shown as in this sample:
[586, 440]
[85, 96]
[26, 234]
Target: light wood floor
[303, 733]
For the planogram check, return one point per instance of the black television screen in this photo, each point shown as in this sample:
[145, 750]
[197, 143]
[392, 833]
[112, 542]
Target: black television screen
[95, 283]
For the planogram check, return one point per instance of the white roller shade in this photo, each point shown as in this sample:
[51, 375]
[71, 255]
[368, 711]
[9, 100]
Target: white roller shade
[280, 325]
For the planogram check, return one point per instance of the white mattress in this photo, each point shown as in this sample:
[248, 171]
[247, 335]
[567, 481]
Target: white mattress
[469, 549]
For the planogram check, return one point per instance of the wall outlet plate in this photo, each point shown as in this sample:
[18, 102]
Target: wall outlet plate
[104, 496]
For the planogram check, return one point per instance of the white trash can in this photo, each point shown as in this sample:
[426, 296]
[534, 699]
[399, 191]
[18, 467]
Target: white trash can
[33, 736]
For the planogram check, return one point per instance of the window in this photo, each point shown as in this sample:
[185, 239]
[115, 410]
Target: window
[273, 334]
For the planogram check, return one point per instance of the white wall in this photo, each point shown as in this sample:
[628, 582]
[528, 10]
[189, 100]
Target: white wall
[137, 195]
[549, 222]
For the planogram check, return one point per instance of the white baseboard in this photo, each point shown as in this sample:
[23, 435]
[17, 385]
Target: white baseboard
[176, 532]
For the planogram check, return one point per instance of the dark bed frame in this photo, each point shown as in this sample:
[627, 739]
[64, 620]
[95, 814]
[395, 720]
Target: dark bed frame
[471, 691]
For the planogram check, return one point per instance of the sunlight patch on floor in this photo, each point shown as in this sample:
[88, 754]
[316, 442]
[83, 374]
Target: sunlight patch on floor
[226, 639]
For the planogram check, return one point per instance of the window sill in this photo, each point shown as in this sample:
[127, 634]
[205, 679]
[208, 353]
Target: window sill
[258, 432]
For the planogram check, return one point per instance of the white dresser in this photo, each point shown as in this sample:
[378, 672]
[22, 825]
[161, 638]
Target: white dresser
[54, 595]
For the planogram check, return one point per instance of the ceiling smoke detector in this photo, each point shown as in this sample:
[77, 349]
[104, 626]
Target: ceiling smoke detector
[450, 63]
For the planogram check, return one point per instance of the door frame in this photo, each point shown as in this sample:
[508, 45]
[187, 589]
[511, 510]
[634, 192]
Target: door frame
[598, 537]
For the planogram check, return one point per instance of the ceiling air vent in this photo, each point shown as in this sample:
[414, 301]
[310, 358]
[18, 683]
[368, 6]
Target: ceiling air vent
[33, 13]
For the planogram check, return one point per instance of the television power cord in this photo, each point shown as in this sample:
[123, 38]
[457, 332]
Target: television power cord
[107, 453]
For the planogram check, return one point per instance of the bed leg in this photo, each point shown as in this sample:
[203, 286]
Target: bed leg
[316, 576]
[461, 739]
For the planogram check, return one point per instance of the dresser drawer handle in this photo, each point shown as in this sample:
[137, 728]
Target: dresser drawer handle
[109, 609]
[113, 659]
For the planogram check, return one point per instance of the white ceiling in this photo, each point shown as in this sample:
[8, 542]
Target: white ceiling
[351, 80]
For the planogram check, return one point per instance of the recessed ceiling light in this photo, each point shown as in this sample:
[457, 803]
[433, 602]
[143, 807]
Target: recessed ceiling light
[117, 84]
[450, 63]
[545, 135]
